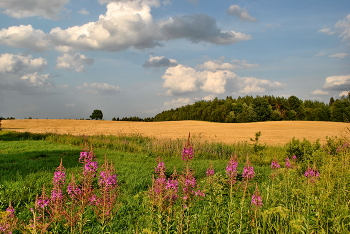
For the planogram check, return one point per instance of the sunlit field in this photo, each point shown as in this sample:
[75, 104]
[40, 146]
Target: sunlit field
[63, 178]
[273, 133]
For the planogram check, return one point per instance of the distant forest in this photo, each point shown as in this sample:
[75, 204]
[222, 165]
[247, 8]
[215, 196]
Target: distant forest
[256, 109]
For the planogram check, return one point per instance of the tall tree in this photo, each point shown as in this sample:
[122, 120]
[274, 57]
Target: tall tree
[262, 109]
[96, 114]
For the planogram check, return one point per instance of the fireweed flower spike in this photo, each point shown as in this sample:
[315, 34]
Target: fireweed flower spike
[256, 198]
[275, 165]
[8, 221]
[312, 174]
[187, 152]
[210, 171]
[231, 170]
[288, 164]
[248, 171]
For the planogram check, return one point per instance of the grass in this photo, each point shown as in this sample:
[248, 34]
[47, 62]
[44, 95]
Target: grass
[292, 203]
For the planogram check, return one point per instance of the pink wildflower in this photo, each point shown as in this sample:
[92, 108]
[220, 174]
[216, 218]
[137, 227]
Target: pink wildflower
[310, 173]
[248, 172]
[275, 165]
[288, 164]
[42, 202]
[256, 198]
[199, 193]
[160, 168]
[231, 170]
[187, 154]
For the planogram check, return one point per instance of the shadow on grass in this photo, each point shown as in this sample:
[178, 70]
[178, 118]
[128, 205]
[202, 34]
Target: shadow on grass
[17, 136]
[21, 164]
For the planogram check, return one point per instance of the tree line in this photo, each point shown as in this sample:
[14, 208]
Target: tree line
[260, 108]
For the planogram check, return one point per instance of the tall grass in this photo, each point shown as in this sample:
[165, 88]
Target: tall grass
[243, 188]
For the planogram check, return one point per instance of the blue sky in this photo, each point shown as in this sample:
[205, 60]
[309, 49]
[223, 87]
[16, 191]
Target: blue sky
[66, 58]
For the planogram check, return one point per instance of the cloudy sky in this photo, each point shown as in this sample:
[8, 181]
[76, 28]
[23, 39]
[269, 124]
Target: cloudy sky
[65, 58]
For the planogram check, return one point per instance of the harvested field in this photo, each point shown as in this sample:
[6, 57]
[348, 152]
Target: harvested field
[273, 133]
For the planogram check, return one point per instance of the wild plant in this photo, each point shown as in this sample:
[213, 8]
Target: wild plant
[8, 220]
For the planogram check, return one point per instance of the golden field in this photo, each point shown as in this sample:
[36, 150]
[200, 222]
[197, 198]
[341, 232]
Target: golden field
[273, 133]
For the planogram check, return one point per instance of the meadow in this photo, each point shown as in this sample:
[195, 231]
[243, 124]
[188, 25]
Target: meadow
[133, 183]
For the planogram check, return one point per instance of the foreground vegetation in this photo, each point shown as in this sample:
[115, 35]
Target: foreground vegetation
[133, 184]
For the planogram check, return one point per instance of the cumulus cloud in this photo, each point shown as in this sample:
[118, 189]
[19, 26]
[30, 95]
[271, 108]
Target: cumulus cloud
[199, 27]
[99, 88]
[20, 73]
[242, 14]
[74, 62]
[11, 63]
[24, 37]
[214, 65]
[160, 61]
[178, 103]
[338, 55]
[125, 24]
[181, 79]
[215, 79]
[37, 80]
[209, 97]
[344, 93]
[319, 92]
[344, 25]
[326, 31]
[340, 83]
[28, 8]
[250, 85]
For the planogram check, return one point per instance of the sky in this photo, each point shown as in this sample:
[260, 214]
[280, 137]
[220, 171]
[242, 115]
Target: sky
[62, 59]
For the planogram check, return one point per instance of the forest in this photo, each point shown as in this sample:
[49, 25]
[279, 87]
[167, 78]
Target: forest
[260, 108]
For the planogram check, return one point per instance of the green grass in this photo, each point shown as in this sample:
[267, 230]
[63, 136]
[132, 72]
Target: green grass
[291, 203]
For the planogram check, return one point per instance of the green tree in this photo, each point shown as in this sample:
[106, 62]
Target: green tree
[262, 109]
[96, 114]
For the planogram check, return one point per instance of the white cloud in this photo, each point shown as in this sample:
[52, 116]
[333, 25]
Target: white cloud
[345, 26]
[37, 80]
[70, 105]
[326, 31]
[11, 63]
[242, 14]
[83, 12]
[24, 37]
[74, 62]
[319, 92]
[28, 8]
[214, 65]
[99, 88]
[160, 61]
[178, 103]
[209, 97]
[125, 24]
[338, 55]
[181, 79]
[250, 85]
[344, 93]
[341, 83]
[320, 54]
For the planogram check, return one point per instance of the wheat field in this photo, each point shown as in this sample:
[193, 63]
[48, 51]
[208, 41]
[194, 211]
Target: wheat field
[273, 133]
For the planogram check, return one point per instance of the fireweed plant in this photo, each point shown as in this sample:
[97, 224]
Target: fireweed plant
[234, 195]
[69, 205]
